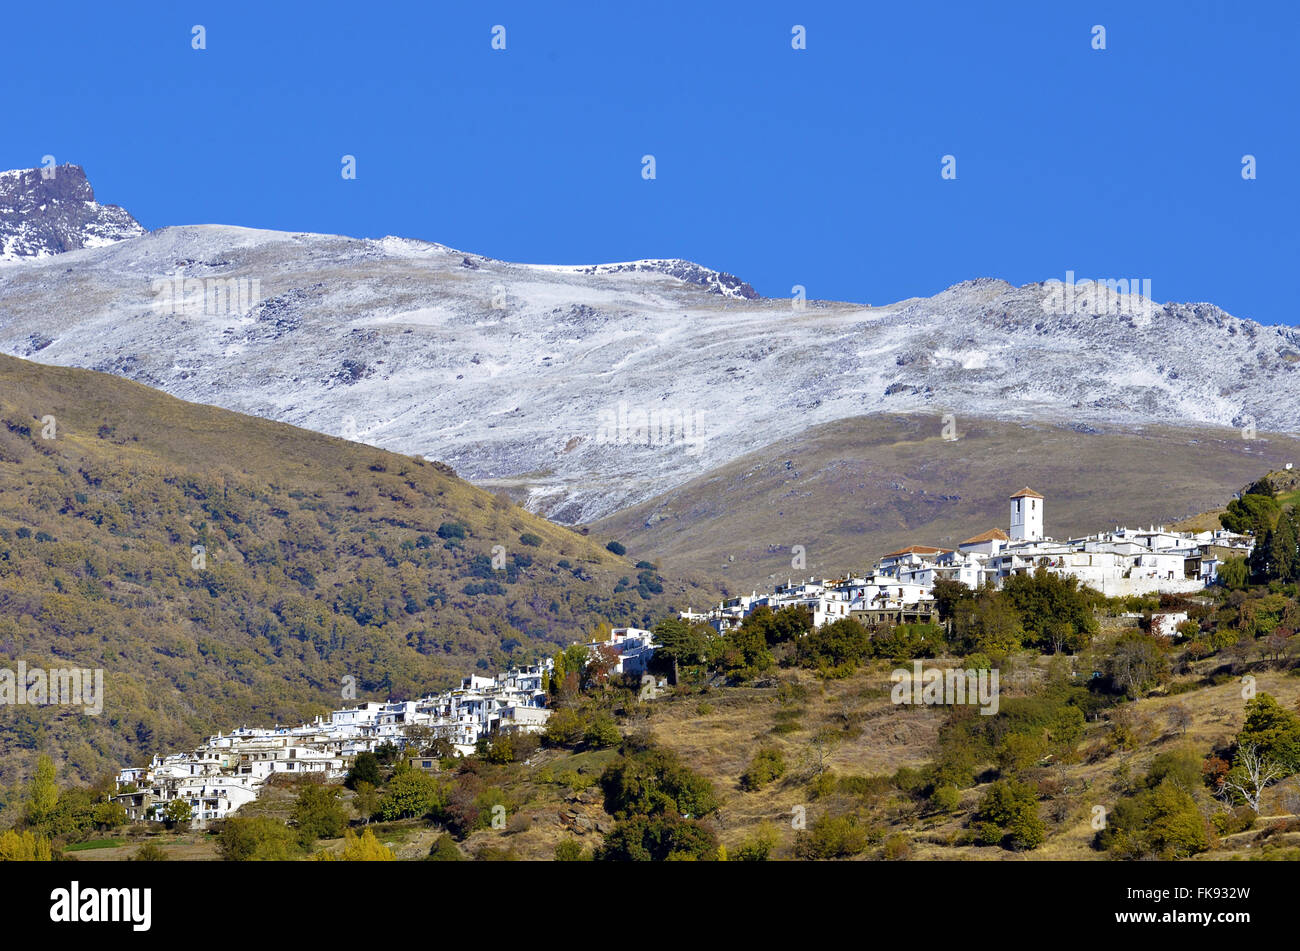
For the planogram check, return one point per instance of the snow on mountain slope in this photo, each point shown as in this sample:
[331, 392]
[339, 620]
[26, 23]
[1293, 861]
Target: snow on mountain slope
[543, 379]
[41, 216]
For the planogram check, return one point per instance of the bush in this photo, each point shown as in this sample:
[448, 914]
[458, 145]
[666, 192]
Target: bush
[759, 847]
[616, 548]
[531, 540]
[898, 848]
[601, 733]
[445, 849]
[945, 798]
[255, 839]
[565, 727]
[833, 837]
[658, 838]
[653, 782]
[1012, 808]
[570, 850]
[767, 766]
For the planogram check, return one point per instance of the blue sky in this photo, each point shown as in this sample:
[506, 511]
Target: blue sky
[818, 167]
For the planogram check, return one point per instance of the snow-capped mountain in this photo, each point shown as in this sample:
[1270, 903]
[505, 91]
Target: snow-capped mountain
[49, 211]
[563, 382]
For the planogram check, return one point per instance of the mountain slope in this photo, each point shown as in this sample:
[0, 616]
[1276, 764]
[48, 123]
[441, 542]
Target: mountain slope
[323, 560]
[551, 382]
[850, 491]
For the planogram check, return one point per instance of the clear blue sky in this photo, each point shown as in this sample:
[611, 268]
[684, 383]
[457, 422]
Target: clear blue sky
[818, 167]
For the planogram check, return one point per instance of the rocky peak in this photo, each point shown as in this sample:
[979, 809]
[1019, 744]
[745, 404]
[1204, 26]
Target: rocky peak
[49, 211]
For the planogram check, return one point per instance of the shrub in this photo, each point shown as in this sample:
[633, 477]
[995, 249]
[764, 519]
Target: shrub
[570, 850]
[445, 849]
[254, 839]
[1012, 808]
[652, 782]
[898, 848]
[658, 838]
[945, 798]
[767, 766]
[759, 847]
[832, 837]
[616, 548]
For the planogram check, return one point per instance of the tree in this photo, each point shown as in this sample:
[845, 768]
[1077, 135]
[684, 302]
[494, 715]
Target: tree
[254, 839]
[1180, 718]
[1272, 731]
[652, 782]
[988, 624]
[658, 838]
[366, 801]
[833, 837]
[679, 644]
[364, 848]
[1137, 663]
[602, 732]
[568, 850]
[42, 793]
[318, 814]
[1283, 560]
[1252, 514]
[177, 812]
[1055, 610]
[842, 642]
[759, 846]
[365, 769]
[948, 594]
[1234, 573]
[1252, 774]
[411, 793]
[24, 847]
[150, 852]
[1011, 807]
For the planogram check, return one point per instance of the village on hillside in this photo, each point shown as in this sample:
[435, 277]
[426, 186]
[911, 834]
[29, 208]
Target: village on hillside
[228, 770]
[899, 589]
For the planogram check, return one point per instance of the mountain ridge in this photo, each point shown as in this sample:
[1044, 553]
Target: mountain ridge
[583, 390]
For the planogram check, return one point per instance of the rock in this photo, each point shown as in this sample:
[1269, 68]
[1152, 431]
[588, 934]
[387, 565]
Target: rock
[53, 210]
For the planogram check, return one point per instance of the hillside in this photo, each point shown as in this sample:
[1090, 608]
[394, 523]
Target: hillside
[861, 777]
[850, 491]
[323, 559]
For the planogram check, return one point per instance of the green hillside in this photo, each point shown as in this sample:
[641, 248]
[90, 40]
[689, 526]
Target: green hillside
[323, 560]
